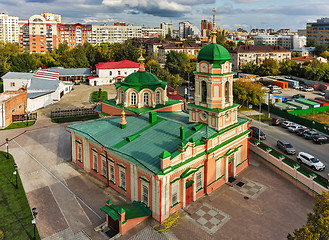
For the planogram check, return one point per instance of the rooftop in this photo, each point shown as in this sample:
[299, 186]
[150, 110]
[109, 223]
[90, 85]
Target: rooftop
[17, 75]
[257, 48]
[71, 71]
[117, 65]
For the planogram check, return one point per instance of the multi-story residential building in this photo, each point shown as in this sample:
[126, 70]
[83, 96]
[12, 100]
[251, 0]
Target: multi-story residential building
[167, 27]
[318, 31]
[115, 34]
[270, 31]
[8, 28]
[152, 32]
[257, 54]
[151, 45]
[284, 31]
[305, 51]
[37, 35]
[52, 17]
[206, 28]
[74, 34]
[257, 31]
[187, 29]
[286, 41]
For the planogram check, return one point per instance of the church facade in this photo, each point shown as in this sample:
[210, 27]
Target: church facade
[166, 159]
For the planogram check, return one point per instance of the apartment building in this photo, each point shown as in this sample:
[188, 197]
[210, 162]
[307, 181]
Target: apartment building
[286, 41]
[74, 34]
[318, 31]
[8, 28]
[257, 54]
[187, 29]
[167, 27]
[52, 17]
[114, 34]
[37, 35]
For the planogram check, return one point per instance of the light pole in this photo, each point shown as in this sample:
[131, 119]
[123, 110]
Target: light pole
[269, 100]
[260, 112]
[27, 119]
[15, 173]
[34, 213]
[7, 144]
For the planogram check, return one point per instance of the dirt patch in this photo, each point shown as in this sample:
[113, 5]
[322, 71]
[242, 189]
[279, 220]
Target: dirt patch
[318, 117]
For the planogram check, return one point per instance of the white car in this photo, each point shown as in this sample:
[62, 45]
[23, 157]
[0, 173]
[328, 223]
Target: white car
[295, 127]
[287, 124]
[310, 161]
[308, 89]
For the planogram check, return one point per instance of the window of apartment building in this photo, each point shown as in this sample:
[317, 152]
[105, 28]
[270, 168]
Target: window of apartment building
[12, 84]
[95, 162]
[13, 110]
[104, 167]
[174, 193]
[122, 178]
[145, 193]
[199, 180]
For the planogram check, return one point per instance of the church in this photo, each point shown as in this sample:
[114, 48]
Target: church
[161, 158]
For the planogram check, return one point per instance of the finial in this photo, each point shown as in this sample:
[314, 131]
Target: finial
[213, 32]
[123, 122]
[141, 60]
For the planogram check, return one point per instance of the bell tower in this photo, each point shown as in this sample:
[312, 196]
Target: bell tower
[213, 86]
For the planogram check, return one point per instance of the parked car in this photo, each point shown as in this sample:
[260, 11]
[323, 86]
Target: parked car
[310, 134]
[287, 124]
[285, 147]
[320, 138]
[298, 96]
[308, 89]
[300, 131]
[294, 127]
[256, 133]
[322, 93]
[310, 161]
[277, 121]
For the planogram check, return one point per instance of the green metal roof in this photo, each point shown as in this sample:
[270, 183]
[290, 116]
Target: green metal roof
[112, 212]
[135, 210]
[214, 53]
[140, 80]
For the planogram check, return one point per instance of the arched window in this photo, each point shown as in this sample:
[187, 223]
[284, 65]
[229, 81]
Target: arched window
[146, 99]
[133, 99]
[157, 97]
[203, 91]
[122, 97]
[227, 92]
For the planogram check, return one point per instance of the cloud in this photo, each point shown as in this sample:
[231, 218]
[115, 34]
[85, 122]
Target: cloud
[245, 1]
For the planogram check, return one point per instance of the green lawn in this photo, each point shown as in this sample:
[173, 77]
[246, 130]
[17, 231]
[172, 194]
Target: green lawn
[19, 125]
[263, 118]
[15, 213]
[74, 119]
[95, 95]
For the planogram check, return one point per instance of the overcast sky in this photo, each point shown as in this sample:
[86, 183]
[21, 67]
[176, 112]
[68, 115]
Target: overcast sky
[230, 14]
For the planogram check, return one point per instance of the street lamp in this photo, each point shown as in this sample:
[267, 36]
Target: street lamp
[27, 119]
[15, 173]
[7, 147]
[34, 213]
[260, 112]
[269, 100]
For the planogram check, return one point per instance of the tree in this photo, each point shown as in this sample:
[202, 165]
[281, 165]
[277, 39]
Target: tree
[246, 91]
[176, 62]
[250, 67]
[320, 48]
[325, 54]
[176, 81]
[317, 226]
[287, 66]
[24, 62]
[295, 54]
[270, 67]
[310, 43]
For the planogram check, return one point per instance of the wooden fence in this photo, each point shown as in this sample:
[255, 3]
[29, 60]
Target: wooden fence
[73, 113]
[24, 117]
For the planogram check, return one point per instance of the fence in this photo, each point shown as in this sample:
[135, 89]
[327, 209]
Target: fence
[24, 117]
[73, 113]
[308, 182]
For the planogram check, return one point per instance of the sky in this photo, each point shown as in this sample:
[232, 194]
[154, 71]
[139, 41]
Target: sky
[230, 14]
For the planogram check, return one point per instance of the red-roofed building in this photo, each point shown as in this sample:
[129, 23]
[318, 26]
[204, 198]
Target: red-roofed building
[111, 72]
[304, 59]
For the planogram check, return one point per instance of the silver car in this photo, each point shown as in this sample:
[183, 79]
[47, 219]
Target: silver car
[285, 147]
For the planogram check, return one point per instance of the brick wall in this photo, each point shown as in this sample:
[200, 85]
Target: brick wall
[15, 106]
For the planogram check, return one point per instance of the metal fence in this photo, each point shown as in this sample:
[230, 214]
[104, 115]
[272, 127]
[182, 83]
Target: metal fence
[73, 113]
[24, 117]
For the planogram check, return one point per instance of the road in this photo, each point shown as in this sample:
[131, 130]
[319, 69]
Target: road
[273, 133]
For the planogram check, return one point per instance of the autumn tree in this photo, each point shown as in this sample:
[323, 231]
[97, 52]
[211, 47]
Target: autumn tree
[247, 91]
[270, 67]
[317, 226]
[249, 67]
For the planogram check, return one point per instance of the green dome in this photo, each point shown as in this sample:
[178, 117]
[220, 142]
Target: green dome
[140, 80]
[214, 52]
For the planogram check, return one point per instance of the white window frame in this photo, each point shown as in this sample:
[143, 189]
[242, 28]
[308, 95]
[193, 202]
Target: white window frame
[175, 193]
[104, 167]
[79, 149]
[144, 193]
[122, 97]
[146, 99]
[133, 98]
[218, 168]
[95, 161]
[199, 180]
[157, 97]
[122, 182]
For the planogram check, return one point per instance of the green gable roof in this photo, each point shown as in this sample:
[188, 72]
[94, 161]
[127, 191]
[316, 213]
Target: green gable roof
[140, 80]
[214, 53]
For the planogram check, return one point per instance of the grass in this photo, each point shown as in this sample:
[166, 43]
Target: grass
[19, 125]
[318, 117]
[74, 119]
[263, 118]
[95, 95]
[244, 108]
[15, 213]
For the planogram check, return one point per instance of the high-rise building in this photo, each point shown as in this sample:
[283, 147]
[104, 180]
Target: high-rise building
[114, 34]
[167, 27]
[318, 31]
[74, 34]
[205, 24]
[187, 29]
[37, 34]
[52, 17]
[8, 28]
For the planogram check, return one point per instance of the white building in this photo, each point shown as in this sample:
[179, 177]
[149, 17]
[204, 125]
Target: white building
[111, 72]
[152, 32]
[167, 27]
[286, 41]
[13, 81]
[187, 29]
[8, 28]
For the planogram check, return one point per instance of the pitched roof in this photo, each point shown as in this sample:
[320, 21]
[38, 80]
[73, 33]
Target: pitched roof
[42, 84]
[71, 71]
[117, 65]
[45, 74]
[303, 58]
[257, 48]
[17, 75]
[184, 45]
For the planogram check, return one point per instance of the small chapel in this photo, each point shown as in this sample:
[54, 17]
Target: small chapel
[161, 158]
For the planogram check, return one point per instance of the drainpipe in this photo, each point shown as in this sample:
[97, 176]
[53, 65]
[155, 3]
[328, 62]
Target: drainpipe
[107, 167]
[206, 168]
[70, 140]
[157, 179]
[248, 141]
